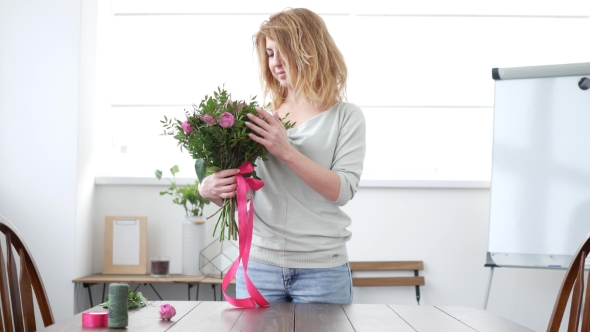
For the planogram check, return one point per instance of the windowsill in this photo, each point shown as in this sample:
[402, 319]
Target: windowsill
[459, 184]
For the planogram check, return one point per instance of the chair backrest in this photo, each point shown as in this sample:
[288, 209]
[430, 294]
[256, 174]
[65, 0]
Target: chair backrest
[574, 278]
[415, 266]
[16, 287]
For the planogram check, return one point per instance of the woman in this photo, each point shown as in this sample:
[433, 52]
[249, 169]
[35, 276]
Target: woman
[298, 249]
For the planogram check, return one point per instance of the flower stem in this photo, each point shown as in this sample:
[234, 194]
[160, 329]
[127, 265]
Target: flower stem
[216, 212]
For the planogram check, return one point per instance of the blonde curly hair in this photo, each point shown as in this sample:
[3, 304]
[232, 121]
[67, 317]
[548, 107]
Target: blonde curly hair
[316, 68]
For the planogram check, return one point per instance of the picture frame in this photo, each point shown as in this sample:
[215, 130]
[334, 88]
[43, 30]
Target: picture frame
[125, 245]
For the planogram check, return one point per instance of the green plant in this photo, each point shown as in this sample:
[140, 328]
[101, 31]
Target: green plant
[135, 300]
[188, 196]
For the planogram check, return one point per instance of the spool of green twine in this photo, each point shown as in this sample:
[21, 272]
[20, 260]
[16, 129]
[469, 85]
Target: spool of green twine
[118, 302]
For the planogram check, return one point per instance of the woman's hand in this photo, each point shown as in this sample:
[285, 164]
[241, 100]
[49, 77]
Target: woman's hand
[219, 185]
[270, 133]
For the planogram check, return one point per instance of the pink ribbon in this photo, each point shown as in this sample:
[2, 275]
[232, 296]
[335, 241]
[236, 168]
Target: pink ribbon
[245, 227]
[95, 319]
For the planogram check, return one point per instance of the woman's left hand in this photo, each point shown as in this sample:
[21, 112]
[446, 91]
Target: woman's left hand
[270, 133]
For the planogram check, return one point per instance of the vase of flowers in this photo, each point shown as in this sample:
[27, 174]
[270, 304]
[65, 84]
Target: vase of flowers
[193, 227]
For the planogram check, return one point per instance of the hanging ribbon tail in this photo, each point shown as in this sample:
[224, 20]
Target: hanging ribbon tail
[241, 303]
[252, 290]
[246, 226]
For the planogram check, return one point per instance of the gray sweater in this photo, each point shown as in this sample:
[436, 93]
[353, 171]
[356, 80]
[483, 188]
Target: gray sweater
[294, 226]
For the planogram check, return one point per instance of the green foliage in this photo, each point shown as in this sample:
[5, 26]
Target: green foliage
[188, 196]
[135, 300]
[201, 169]
[217, 146]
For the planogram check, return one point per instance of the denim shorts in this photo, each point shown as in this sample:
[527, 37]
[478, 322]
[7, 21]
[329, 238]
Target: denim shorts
[278, 284]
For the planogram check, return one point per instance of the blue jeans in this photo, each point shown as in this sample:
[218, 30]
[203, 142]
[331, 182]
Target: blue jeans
[277, 284]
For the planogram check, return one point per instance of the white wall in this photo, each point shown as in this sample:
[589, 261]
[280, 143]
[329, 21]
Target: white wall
[39, 104]
[47, 135]
[446, 228]
[86, 162]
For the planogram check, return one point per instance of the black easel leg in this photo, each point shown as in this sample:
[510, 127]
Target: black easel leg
[485, 301]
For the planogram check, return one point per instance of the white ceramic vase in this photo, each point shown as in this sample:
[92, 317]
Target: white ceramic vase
[193, 241]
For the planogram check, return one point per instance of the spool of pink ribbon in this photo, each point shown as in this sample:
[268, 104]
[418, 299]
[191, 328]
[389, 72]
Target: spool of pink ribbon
[95, 319]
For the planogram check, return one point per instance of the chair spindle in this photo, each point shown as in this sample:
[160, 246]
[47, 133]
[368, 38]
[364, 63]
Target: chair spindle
[17, 310]
[26, 293]
[577, 296]
[586, 314]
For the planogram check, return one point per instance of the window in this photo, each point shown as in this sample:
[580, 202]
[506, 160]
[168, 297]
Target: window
[420, 72]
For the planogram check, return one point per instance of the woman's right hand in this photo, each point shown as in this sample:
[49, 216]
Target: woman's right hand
[219, 185]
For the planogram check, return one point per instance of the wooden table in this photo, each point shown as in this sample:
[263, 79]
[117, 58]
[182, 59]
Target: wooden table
[144, 279]
[217, 316]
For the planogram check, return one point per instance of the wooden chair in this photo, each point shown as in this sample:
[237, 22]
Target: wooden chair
[16, 287]
[416, 280]
[573, 278]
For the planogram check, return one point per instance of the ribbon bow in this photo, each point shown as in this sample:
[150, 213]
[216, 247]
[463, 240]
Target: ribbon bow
[246, 225]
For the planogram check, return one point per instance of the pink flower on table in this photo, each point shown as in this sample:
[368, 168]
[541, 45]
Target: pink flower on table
[167, 311]
[208, 119]
[187, 127]
[227, 120]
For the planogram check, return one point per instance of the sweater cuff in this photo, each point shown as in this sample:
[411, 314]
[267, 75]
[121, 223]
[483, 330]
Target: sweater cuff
[345, 193]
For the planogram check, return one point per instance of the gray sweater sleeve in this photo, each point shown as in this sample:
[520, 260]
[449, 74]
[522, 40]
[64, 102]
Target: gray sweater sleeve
[350, 153]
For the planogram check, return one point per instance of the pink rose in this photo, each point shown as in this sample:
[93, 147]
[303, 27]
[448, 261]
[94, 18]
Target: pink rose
[209, 119]
[186, 127]
[227, 120]
[167, 311]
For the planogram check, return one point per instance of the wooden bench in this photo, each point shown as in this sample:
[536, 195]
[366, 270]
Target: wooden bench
[416, 280]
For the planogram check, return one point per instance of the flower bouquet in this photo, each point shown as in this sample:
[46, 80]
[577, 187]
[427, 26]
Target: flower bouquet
[216, 136]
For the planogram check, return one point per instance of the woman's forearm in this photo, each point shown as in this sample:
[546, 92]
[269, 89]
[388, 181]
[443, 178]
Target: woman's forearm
[324, 181]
